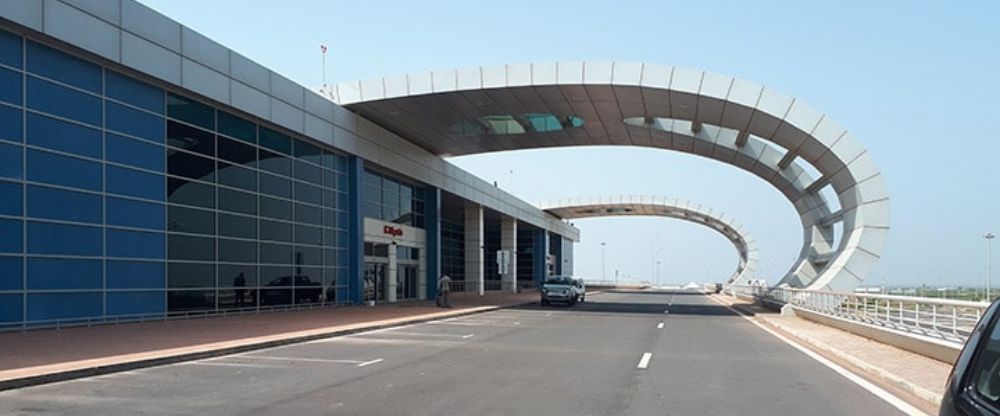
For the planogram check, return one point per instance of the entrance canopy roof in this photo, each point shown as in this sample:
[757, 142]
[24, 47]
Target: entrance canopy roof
[655, 206]
[765, 132]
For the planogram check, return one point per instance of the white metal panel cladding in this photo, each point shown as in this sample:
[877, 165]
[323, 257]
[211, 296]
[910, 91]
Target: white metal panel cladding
[761, 130]
[657, 206]
[156, 46]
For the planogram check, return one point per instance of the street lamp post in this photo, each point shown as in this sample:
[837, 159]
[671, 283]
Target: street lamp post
[652, 257]
[989, 259]
[603, 276]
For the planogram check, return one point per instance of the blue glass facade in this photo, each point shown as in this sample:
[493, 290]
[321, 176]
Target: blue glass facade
[119, 198]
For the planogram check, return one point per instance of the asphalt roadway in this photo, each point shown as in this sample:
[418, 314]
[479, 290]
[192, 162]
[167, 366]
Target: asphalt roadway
[703, 359]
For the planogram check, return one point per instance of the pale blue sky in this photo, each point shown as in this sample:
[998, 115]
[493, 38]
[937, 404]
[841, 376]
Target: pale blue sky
[916, 84]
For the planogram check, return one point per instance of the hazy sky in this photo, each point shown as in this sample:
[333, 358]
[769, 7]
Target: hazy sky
[916, 82]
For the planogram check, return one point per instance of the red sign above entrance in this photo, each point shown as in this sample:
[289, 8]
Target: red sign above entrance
[393, 231]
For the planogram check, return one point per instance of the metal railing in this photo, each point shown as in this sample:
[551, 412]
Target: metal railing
[945, 319]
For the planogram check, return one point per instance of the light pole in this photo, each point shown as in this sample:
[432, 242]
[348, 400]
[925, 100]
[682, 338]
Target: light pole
[657, 272]
[652, 257]
[603, 276]
[989, 259]
[659, 276]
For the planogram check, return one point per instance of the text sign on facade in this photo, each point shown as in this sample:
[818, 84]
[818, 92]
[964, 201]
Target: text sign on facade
[393, 231]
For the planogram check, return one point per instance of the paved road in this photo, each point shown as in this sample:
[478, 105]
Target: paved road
[583, 360]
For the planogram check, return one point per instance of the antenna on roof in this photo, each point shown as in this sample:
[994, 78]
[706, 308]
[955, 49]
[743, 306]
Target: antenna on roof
[322, 49]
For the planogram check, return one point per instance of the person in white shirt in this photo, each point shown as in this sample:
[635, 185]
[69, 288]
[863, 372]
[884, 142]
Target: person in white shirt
[444, 287]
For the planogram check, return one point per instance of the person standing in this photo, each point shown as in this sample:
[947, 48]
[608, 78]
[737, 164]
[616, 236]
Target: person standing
[241, 289]
[444, 287]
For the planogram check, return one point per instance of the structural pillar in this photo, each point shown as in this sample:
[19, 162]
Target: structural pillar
[540, 252]
[391, 275]
[508, 242]
[355, 230]
[474, 246]
[432, 224]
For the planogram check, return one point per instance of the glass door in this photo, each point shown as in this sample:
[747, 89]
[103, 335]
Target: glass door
[375, 281]
[406, 281]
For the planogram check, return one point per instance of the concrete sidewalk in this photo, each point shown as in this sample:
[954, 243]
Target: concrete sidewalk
[921, 377]
[42, 356]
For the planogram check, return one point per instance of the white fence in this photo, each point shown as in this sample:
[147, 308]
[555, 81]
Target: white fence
[949, 320]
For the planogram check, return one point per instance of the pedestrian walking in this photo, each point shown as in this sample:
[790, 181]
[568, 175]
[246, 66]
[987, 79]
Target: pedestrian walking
[444, 287]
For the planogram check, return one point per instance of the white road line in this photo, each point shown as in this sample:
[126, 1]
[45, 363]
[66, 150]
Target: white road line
[659, 325]
[644, 361]
[399, 341]
[426, 334]
[368, 363]
[468, 336]
[214, 363]
[856, 379]
[303, 359]
[478, 321]
[475, 324]
[379, 331]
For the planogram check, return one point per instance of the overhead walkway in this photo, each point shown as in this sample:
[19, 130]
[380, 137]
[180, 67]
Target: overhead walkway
[658, 206]
[820, 168]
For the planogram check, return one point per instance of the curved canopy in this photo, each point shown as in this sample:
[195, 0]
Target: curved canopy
[627, 205]
[760, 130]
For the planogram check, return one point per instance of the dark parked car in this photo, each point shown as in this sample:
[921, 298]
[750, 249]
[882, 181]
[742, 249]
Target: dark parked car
[974, 385]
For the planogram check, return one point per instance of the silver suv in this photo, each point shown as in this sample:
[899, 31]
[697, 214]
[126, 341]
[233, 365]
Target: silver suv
[565, 289]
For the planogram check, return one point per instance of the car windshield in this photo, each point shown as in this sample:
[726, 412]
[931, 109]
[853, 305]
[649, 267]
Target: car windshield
[559, 280]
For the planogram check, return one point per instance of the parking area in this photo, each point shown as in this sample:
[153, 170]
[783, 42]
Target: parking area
[617, 353]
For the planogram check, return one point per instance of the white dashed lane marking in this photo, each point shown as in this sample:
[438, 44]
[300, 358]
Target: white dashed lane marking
[644, 361]
[367, 363]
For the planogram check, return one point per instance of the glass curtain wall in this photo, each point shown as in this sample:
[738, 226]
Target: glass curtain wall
[389, 199]
[255, 217]
[120, 199]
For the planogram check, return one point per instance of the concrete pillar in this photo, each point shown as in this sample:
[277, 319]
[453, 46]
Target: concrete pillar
[555, 249]
[432, 223]
[539, 251]
[390, 278]
[474, 246]
[508, 242]
[567, 256]
[355, 230]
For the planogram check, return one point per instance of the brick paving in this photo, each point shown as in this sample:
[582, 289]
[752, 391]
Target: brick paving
[52, 351]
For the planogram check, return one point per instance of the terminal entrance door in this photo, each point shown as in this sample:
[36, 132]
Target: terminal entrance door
[375, 280]
[376, 269]
[406, 281]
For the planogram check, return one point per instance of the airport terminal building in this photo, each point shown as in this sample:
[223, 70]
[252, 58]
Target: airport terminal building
[147, 171]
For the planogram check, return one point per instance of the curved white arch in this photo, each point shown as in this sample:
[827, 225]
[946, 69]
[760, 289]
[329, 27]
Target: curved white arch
[629, 205]
[758, 129]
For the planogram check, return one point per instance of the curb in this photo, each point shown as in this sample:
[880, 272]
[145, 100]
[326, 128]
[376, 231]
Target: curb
[919, 392]
[53, 377]
[871, 370]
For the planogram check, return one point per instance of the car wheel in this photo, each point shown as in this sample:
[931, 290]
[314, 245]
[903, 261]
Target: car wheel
[545, 302]
[583, 298]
